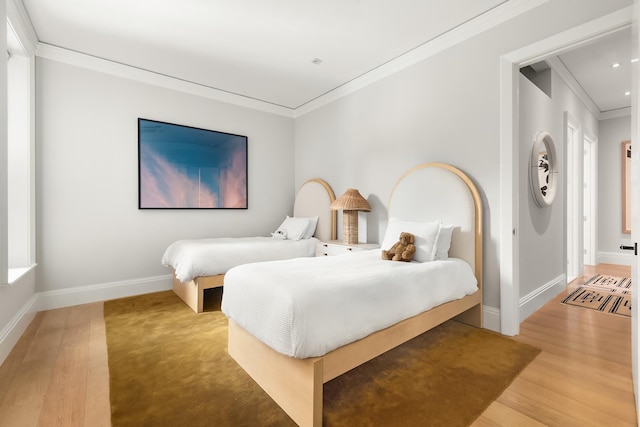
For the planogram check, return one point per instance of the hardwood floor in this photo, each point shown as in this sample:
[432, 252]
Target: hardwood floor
[583, 375]
[57, 374]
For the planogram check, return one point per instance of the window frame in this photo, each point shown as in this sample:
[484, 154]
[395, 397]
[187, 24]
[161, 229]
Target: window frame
[20, 43]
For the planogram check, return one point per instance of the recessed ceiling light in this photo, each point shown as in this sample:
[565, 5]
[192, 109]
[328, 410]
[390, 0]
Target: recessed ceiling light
[627, 93]
[316, 61]
[634, 60]
[615, 65]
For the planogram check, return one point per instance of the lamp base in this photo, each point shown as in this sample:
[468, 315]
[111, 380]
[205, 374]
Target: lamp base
[350, 227]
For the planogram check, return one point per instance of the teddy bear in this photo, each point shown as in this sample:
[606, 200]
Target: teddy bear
[280, 235]
[402, 250]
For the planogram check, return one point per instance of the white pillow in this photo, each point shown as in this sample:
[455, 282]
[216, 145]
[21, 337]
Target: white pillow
[443, 242]
[293, 228]
[311, 228]
[425, 233]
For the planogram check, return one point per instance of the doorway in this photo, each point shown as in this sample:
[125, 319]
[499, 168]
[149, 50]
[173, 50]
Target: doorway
[510, 65]
[574, 196]
[581, 198]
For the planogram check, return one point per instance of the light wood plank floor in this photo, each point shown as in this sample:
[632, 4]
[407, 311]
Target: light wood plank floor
[57, 374]
[583, 375]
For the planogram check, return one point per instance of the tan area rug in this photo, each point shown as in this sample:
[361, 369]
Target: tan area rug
[612, 283]
[169, 367]
[608, 294]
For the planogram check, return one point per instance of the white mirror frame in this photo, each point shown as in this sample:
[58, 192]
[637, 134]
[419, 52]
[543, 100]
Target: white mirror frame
[544, 171]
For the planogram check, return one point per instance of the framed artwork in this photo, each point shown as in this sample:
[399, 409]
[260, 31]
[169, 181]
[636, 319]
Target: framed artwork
[543, 170]
[183, 167]
[626, 187]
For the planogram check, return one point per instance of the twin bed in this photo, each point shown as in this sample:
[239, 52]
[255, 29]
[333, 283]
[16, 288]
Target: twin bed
[201, 264]
[296, 324]
[297, 321]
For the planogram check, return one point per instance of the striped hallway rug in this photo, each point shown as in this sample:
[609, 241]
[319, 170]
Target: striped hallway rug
[616, 284]
[609, 294]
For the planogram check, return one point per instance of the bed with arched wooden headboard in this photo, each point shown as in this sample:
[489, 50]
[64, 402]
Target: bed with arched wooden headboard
[427, 193]
[202, 263]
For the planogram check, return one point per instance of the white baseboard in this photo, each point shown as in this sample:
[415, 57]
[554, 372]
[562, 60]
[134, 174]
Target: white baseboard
[50, 300]
[491, 318]
[12, 332]
[615, 258]
[539, 297]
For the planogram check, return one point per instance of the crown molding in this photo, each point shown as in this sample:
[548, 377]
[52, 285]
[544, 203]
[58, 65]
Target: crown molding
[570, 39]
[612, 114]
[19, 21]
[502, 13]
[558, 66]
[55, 53]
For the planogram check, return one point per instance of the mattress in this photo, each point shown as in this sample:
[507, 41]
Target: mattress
[307, 307]
[210, 257]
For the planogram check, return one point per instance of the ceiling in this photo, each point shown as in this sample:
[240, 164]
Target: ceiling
[258, 49]
[592, 68]
[287, 52]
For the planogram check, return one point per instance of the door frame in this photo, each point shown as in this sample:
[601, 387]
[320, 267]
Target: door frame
[510, 65]
[573, 201]
[590, 165]
[635, 217]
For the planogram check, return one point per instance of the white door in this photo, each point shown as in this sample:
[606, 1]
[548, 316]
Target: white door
[574, 190]
[589, 193]
[635, 264]
[635, 212]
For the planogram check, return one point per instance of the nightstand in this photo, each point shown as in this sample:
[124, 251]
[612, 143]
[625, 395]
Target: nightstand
[336, 247]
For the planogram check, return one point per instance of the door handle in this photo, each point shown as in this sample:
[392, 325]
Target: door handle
[633, 248]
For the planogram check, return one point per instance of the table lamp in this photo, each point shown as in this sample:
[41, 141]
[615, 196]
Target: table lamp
[350, 203]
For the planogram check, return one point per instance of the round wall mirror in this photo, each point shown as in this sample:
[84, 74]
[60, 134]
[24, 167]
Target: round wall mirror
[543, 170]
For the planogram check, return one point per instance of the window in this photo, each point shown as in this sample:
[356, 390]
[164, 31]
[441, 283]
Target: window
[20, 159]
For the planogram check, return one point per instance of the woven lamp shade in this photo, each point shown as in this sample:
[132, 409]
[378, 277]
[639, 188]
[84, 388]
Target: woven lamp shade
[350, 203]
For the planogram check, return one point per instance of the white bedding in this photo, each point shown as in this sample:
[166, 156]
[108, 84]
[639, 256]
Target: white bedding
[307, 307]
[210, 257]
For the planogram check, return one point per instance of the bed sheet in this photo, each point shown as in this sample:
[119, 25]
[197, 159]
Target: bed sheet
[307, 307]
[209, 257]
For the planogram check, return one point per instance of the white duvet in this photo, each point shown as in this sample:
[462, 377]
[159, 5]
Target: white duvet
[210, 257]
[307, 307]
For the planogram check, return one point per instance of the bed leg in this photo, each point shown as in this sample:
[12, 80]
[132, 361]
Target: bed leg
[472, 316]
[294, 384]
[189, 293]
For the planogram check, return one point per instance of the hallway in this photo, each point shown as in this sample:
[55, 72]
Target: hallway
[583, 375]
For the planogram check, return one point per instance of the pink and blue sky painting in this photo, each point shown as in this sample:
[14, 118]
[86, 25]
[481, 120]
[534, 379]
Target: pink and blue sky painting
[186, 167]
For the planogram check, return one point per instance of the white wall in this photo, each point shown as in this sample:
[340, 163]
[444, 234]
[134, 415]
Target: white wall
[17, 302]
[445, 108]
[610, 235]
[424, 113]
[543, 230]
[90, 231]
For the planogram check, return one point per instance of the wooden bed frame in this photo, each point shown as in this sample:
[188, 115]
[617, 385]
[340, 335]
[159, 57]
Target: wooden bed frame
[297, 384]
[313, 198]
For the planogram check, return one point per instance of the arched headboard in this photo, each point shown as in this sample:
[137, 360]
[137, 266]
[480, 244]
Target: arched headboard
[314, 199]
[438, 191]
